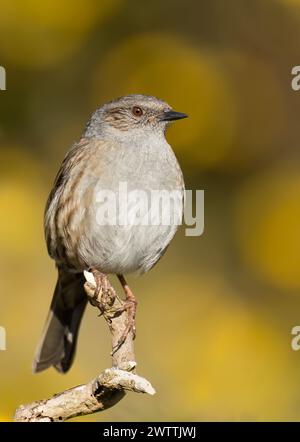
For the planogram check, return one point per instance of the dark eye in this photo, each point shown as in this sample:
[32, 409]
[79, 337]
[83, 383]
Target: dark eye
[137, 111]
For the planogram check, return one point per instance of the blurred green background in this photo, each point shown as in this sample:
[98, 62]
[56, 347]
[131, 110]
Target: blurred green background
[215, 316]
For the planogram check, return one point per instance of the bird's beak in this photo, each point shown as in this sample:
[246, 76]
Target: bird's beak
[172, 115]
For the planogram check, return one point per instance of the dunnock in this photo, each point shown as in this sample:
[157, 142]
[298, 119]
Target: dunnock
[124, 141]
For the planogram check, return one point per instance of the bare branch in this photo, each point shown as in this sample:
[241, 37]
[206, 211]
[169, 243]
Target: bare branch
[109, 387]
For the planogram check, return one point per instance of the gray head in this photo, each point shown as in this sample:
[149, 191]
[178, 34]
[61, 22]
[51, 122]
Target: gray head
[131, 113]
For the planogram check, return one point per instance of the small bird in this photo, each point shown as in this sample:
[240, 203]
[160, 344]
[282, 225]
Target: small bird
[124, 141]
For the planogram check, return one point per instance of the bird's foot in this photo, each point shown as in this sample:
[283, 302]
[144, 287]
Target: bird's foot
[101, 290]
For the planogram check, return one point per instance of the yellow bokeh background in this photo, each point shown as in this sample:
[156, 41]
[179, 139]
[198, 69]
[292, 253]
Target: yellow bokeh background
[215, 315]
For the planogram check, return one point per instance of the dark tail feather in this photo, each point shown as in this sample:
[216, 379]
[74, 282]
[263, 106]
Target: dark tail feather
[58, 343]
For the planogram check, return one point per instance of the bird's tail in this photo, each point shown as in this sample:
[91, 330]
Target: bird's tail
[58, 343]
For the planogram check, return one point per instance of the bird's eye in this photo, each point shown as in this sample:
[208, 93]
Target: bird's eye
[137, 111]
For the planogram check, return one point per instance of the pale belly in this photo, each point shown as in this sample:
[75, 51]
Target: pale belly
[126, 248]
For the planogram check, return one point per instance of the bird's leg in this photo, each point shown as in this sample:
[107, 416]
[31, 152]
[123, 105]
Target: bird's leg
[130, 307]
[101, 289]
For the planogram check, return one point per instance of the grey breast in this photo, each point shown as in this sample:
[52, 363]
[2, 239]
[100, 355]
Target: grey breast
[151, 166]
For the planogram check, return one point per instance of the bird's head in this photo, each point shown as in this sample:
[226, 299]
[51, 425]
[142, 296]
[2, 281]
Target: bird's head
[132, 113]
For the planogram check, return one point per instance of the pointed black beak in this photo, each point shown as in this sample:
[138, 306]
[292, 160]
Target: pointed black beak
[172, 115]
